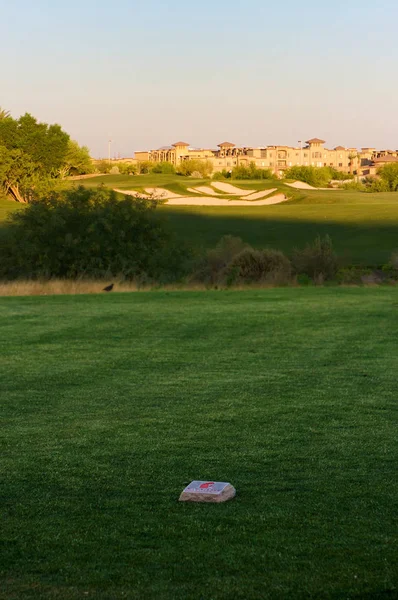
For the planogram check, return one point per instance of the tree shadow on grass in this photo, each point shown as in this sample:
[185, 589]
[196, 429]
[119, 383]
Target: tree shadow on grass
[367, 243]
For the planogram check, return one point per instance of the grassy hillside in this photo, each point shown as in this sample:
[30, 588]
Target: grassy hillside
[113, 403]
[364, 227]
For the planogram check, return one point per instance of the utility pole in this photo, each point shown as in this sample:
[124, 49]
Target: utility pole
[301, 153]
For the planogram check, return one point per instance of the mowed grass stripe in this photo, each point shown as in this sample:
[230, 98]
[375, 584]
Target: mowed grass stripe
[113, 403]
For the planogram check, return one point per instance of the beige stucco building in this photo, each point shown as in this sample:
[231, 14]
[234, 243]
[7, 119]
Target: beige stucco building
[277, 158]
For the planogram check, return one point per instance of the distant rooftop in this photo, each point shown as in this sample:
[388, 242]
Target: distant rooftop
[315, 141]
[226, 145]
[180, 144]
[385, 159]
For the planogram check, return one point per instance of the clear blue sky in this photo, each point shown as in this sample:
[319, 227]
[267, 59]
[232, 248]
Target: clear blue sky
[254, 73]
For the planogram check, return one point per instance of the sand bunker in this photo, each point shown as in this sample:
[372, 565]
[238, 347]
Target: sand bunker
[155, 193]
[300, 185]
[258, 195]
[204, 189]
[211, 201]
[227, 188]
[161, 193]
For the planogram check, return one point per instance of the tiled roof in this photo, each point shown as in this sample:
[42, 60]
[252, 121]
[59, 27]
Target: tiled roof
[386, 159]
[315, 141]
[181, 144]
[339, 148]
[226, 145]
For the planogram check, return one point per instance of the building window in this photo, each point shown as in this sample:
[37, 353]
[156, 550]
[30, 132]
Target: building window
[340, 164]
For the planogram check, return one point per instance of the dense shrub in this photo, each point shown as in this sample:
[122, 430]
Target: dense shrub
[144, 167]
[188, 167]
[389, 175]
[163, 168]
[127, 168]
[356, 186]
[315, 176]
[316, 260]
[90, 233]
[212, 267]
[339, 175]
[375, 184]
[251, 266]
[221, 175]
[103, 166]
[352, 275]
[251, 172]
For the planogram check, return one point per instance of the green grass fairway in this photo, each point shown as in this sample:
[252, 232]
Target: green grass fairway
[364, 234]
[111, 404]
[363, 227]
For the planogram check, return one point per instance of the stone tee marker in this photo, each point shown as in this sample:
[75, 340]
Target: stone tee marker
[207, 491]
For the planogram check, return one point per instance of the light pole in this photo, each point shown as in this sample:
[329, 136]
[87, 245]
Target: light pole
[109, 150]
[301, 153]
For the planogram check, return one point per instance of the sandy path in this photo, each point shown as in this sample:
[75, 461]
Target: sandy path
[227, 188]
[209, 201]
[258, 195]
[204, 189]
[300, 185]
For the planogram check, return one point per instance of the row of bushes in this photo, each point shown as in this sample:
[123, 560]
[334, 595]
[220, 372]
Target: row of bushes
[316, 176]
[234, 262]
[140, 168]
[92, 233]
[244, 172]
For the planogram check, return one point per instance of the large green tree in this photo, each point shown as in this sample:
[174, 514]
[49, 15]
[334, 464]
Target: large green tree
[77, 160]
[34, 156]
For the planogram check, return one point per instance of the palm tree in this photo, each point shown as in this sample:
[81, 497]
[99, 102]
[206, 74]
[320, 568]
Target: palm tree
[351, 157]
[4, 114]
